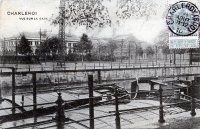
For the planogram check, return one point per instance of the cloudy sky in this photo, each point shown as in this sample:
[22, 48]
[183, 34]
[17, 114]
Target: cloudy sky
[142, 28]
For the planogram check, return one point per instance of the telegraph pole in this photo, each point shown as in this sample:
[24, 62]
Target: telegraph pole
[4, 52]
[129, 53]
[16, 51]
[61, 33]
[122, 43]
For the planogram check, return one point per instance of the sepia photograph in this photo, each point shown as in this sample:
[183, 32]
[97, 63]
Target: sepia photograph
[99, 64]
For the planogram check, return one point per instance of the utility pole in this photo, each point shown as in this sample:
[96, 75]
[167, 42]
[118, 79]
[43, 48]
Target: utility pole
[16, 51]
[40, 35]
[156, 54]
[61, 32]
[4, 52]
[129, 52]
[135, 53]
[99, 52]
[122, 43]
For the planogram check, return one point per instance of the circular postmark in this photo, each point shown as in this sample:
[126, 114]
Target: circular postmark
[183, 18]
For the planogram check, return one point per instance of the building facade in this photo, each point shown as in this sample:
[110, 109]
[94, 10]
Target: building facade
[9, 45]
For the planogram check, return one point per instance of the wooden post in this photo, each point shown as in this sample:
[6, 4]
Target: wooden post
[152, 86]
[174, 57]
[0, 95]
[53, 67]
[91, 103]
[133, 88]
[99, 76]
[22, 101]
[75, 66]
[13, 90]
[193, 105]
[190, 60]
[117, 119]
[34, 93]
[161, 112]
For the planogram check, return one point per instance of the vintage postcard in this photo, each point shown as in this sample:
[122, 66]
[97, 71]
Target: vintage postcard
[99, 64]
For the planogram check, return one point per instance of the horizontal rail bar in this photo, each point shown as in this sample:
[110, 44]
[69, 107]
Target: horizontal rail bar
[94, 70]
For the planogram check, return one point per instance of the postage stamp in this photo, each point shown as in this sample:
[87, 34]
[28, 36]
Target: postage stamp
[183, 18]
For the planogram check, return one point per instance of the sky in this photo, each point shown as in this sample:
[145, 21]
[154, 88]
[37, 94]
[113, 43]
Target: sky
[142, 28]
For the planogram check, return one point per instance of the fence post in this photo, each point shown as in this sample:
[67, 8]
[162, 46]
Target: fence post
[91, 101]
[117, 119]
[161, 112]
[152, 85]
[53, 67]
[0, 94]
[34, 93]
[29, 68]
[99, 76]
[22, 101]
[60, 115]
[13, 90]
[193, 106]
[75, 65]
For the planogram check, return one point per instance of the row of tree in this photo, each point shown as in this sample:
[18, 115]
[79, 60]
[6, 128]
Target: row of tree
[52, 49]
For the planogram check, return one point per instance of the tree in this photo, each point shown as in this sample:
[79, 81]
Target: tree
[24, 47]
[89, 13]
[112, 47]
[84, 46]
[139, 51]
[93, 13]
[51, 47]
[150, 51]
[135, 8]
[162, 42]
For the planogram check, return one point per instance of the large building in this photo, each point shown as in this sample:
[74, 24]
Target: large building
[9, 45]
